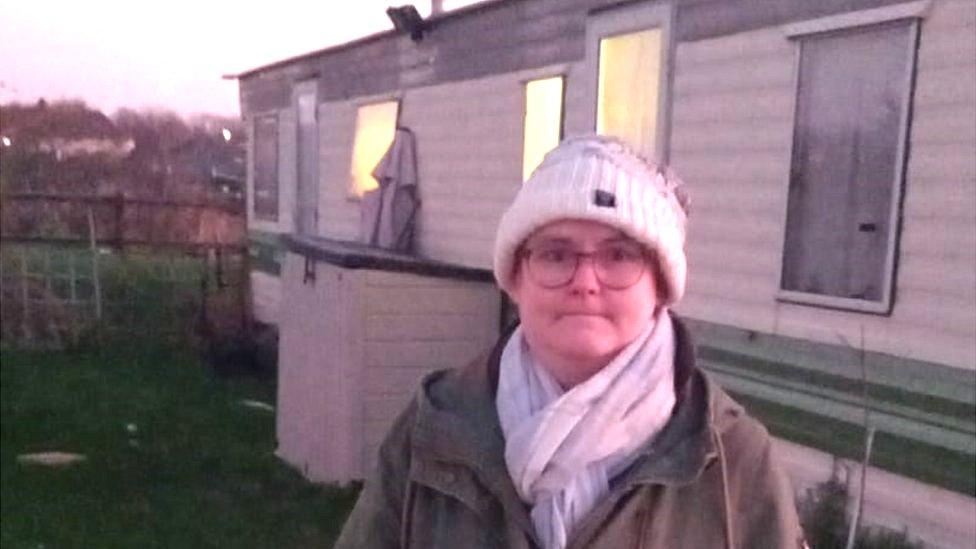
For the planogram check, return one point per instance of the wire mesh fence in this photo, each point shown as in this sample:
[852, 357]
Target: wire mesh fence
[75, 267]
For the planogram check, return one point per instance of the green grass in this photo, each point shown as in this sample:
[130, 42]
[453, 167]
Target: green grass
[145, 294]
[199, 470]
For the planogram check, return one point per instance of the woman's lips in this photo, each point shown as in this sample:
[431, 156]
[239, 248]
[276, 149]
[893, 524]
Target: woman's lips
[581, 315]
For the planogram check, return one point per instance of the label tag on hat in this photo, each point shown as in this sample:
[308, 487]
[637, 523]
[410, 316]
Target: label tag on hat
[604, 199]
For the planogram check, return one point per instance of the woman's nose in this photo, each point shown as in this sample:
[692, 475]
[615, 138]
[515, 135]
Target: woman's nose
[584, 278]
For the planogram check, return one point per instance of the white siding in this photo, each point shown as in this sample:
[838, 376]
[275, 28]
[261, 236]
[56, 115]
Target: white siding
[338, 212]
[353, 348]
[731, 143]
[578, 114]
[469, 148]
[319, 391]
[415, 325]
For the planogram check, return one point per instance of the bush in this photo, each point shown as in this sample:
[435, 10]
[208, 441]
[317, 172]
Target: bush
[823, 513]
[248, 355]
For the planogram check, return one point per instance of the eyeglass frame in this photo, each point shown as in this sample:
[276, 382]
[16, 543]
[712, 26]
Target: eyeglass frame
[648, 263]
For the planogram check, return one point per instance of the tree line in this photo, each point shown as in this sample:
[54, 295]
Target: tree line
[70, 147]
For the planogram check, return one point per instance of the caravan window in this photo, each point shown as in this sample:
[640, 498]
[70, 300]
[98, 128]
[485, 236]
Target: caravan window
[543, 121]
[847, 164]
[627, 89]
[627, 52]
[266, 167]
[375, 128]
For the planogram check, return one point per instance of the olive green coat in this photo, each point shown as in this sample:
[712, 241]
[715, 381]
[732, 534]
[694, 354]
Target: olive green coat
[707, 480]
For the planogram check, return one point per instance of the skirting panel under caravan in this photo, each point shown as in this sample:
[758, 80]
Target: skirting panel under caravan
[359, 329]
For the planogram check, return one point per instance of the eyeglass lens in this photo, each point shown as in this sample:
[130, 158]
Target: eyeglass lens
[616, 266]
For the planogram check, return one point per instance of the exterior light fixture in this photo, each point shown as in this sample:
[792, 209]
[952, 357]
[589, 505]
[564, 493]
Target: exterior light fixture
[407, 19]
[226, 133]
[6, 141]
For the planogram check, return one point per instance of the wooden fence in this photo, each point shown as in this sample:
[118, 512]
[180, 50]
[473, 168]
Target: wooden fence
[124, 264]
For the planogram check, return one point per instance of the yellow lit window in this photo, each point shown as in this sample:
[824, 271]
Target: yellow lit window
[627, 90]
[543, 120]
[375, 126]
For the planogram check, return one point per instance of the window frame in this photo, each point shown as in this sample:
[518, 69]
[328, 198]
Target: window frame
[305, 88]
[913, 13]
[525, 108]
[613, 21]
[261, 215]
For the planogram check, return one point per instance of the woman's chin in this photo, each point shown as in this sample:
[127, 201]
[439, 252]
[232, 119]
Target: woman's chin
[587, 345]
[576, 341]
[580, 363]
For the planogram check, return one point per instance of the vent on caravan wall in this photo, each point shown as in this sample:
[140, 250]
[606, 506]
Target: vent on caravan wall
[407, 19]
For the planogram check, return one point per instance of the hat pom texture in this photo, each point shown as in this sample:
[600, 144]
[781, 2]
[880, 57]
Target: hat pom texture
[601, 179]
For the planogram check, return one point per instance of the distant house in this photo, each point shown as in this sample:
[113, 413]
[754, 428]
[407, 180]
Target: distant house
[63, 147]
[64, 120]
[827, 146]
[65, 129]
[68, 133]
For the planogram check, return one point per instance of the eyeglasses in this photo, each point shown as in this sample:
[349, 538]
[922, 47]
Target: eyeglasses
[617, 266]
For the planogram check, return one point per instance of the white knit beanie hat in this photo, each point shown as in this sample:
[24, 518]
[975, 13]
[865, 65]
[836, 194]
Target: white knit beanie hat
[601, 179]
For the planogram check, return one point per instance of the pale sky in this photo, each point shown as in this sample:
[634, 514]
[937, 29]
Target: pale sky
[172, 55]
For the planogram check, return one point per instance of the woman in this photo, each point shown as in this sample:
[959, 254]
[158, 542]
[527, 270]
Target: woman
[589, 425]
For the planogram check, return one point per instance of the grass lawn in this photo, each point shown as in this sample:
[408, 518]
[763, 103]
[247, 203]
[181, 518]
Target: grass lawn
[173, 458]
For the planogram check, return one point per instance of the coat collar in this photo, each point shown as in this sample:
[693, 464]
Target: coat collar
[458, 428]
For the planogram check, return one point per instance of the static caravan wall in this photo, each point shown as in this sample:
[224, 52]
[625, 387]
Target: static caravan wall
[732, 127]
[469, 148]
[731, 138]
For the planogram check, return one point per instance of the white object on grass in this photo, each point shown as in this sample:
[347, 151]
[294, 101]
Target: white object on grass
[257, 405]
[51, 459]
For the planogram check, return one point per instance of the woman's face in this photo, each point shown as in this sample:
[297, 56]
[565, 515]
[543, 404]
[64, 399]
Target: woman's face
[576, 329]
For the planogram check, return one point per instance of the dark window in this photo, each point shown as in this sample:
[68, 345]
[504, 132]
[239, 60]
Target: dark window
[848, 154]
[266, 167]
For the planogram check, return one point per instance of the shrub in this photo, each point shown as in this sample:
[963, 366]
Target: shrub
[254, 354]
[823, 513]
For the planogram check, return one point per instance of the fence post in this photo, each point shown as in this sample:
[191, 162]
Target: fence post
[244, 291]
[859, 505]
[25, 296]
[96, 283]
[204, 292]
[118, 202]
[868, 442]
[219, 253]
[73, 294]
